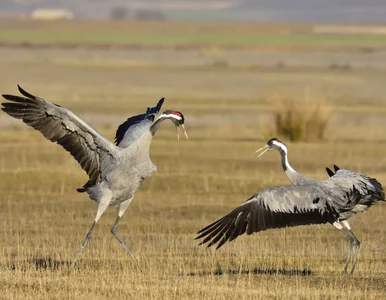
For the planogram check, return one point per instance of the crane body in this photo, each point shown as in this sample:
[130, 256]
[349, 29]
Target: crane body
[115, 171]
[308, 201]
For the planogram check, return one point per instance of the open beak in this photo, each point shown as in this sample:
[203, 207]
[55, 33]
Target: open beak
[178, 132]
[262, 150]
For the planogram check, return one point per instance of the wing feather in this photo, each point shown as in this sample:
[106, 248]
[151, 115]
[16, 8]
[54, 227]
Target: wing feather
[133, 127]
[276, 207]
[220, 234]
[330, 172]
[60, 125]
[214, 231]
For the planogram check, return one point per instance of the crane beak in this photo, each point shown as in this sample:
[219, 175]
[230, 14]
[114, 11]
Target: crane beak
[186, 134]
[178, 132]
[262, 150]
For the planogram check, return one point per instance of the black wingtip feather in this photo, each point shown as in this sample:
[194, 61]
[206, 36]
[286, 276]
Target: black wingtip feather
[135, 120]
[378, 189]
[336, 168]
[330, 172]
[25, 93]
[211, 225]
[160, 102]
[8, 97]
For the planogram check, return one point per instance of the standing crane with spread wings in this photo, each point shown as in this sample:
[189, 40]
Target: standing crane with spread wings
[115, 171]
[308, 201]
[342, 223]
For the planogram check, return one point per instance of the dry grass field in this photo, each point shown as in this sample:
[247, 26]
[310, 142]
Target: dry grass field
[228, 110]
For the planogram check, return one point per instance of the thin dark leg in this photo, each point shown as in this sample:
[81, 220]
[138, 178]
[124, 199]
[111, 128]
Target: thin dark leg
[113, 231]
[358, 245]
[88, 236]
[352, 242]
[342, 227]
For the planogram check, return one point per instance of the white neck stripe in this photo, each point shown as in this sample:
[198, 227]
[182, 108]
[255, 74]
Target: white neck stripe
[280, 145]
[170, 116]
[284, 149]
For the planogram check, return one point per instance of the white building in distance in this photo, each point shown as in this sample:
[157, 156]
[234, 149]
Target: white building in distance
[52, 14]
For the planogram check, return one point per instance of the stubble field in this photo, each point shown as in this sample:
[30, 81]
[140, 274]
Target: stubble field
[225, 96]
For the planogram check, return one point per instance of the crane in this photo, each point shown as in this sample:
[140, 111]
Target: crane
[115, 172]
[296, 178]
[308, 201]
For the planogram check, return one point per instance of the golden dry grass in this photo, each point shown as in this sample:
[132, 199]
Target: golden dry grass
[299, 116]
[44, 219]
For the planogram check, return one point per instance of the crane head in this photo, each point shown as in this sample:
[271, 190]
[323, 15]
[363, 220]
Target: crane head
[272, 144]
[178, 120]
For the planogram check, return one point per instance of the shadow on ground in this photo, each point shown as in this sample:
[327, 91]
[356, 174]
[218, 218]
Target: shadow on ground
[43, 264]
[255, 271]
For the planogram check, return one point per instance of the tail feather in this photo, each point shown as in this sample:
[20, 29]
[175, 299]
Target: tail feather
[86, 186]
[379, 192]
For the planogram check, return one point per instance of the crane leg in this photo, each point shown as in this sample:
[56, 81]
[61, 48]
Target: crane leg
[357, 243]
[339, 226]
[102, 206]
[124, 205]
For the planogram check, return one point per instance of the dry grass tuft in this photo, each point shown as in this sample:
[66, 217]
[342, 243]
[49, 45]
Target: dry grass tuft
[299, 116]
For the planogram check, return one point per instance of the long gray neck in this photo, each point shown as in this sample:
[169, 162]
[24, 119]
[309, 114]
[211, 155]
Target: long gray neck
[292, 175]
[143, 143]
[156, 124]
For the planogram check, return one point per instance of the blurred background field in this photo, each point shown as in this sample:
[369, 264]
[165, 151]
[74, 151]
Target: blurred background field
[231, 81]
[189, 35]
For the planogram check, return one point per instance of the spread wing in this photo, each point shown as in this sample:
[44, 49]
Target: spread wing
[276, 207]
[93, 152]
[135, 126]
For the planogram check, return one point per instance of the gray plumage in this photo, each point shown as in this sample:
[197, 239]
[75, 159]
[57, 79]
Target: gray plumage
[115, 171]
[308, 202]
[298, 179]
[342, 223]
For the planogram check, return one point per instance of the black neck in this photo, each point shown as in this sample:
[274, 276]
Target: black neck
[284, 159]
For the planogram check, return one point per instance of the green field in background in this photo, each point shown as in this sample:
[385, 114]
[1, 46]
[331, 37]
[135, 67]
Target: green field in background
[177, 34]
[232, 39]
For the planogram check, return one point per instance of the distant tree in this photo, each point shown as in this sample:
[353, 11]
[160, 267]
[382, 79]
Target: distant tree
[149, 15]
[119, 13]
